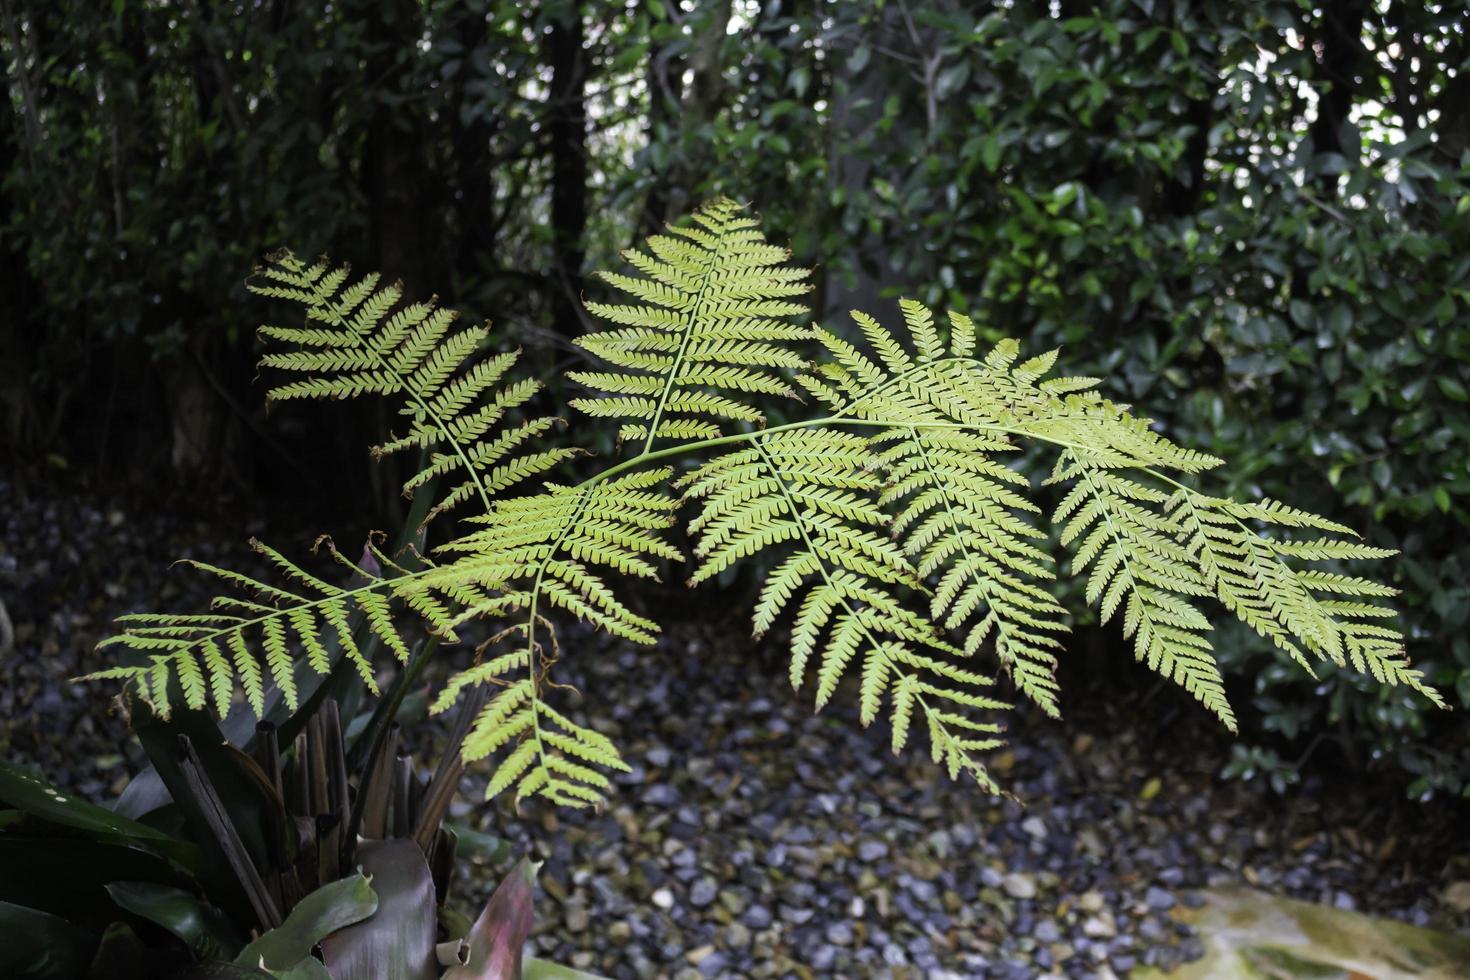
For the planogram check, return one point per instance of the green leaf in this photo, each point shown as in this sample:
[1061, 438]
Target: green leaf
[331, 907]
[39, 946]
[207, 933]
[990, 151]
[480, 846]
[37, 798]
[1301, 312]
[534, 969]
[397, 941]
[69, 876]
[1451, 388]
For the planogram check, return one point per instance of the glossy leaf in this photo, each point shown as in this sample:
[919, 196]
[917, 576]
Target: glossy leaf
[398, 940]
[493, 948]
[331, 907]
[201, 926]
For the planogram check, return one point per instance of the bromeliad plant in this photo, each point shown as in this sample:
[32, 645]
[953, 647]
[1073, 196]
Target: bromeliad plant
[903, 546]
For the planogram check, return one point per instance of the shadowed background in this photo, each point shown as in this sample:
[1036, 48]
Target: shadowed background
[1253, 220]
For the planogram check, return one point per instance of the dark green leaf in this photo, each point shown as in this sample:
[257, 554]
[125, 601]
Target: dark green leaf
[331, 907]
[39, 946]
[38, 798]
[207, 933]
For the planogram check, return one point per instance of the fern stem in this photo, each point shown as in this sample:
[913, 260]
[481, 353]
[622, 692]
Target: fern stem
[536, 678]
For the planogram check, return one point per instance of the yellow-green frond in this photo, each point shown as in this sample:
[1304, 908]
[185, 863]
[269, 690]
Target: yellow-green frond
[816, 494]
[455, 404]
[714, 325]
[261, 635]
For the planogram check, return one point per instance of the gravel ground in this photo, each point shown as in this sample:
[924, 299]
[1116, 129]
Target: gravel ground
[754, 838]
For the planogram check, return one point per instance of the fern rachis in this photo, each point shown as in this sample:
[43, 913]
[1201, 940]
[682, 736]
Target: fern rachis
[894, 516]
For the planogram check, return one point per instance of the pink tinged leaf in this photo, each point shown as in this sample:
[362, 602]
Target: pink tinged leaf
[369, 563]
[498, 935]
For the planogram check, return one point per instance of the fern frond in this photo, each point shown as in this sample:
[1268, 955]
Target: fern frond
[956, 514]
[373, 344]
[562, 543]
[715, 296]
[280, 635]
[816, 491]
[1152, 548]
[1254, 577]
[1136, 565]
[902, 489]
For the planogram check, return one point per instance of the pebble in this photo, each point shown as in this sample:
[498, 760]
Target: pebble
[1158, 898]
[577, 918]
[757, 917]
[703, 894]
[840, 933]
[1018, 885]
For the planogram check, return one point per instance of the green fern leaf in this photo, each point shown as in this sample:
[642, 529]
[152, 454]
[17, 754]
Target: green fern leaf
[714, 295]
[374, 345]
[817, 492]
[559, 545]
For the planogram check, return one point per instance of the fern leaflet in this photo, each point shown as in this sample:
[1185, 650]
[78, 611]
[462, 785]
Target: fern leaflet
[714, 319]
[374, 344]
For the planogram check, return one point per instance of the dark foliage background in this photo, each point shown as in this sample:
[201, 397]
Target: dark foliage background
[1253, 219]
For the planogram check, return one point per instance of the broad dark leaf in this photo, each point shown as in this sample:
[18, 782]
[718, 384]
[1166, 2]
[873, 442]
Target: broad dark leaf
[38, 798]
[200, 925]
[331, 907]
[39, 946]
[397, 941]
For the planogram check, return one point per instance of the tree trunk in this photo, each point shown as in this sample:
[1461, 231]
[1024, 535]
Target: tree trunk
[396, 189]
[567, 127]
[1340, 56]
[474, 203]
[665, 81]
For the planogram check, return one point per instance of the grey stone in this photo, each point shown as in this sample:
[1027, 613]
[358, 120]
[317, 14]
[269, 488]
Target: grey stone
[703, 893]
[840, 933]
[1158, 898]
[661, 794]
[757, 917]
[1018, 885]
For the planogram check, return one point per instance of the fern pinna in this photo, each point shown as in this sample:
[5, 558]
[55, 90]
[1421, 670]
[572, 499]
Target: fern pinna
[905, 545]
